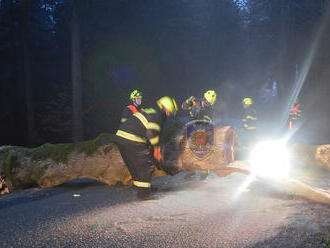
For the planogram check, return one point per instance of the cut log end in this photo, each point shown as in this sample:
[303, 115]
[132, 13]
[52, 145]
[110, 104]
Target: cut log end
[220, 155]
[322, 155]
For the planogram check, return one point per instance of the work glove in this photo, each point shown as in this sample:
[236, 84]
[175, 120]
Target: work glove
[158, 154]
[190, 100]
[186, 105]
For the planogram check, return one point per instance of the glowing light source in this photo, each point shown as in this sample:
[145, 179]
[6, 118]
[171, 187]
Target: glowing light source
[270, 159]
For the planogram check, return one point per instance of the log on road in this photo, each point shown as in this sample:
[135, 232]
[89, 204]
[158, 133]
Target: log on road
[312, 155]
[294, 186]
[53, 164]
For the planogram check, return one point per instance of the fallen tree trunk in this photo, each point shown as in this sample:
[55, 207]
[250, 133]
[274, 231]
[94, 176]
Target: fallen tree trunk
[303, 190]
[312, 155]
[179, 155]
[50, 165]
[222, 153]
[294, 186]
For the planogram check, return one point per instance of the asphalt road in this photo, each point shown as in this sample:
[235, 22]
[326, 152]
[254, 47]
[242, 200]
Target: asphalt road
[216, 213]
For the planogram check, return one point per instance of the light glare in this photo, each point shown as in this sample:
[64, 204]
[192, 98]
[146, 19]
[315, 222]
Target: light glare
[270, 159]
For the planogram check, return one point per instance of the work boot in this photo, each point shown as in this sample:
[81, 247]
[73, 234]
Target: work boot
[144, 194]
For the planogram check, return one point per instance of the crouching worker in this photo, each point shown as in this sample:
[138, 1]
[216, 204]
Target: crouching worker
[138, 143]
[200, 109]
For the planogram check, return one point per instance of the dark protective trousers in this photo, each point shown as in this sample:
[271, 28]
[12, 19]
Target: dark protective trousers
[138, 159]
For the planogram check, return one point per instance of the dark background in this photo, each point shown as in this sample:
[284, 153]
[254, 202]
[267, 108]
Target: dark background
[67, 67]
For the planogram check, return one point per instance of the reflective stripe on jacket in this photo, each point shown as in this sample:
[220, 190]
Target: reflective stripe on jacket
[130, 136]
[250, 119]
[144, 126]
[295, 113]
[141, 184]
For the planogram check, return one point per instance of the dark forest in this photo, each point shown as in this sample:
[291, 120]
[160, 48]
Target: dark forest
[67, 66]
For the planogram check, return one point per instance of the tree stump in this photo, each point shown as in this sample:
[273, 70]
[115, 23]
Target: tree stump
[222, 153]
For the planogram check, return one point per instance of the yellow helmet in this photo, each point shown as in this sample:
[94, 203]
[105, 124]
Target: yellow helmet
[168, 103]
[248, 101]
[135, 94]
[210, 96]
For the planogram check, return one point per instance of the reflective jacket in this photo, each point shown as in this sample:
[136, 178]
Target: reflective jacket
[295, 113]
[128, 111]
[196, 111]
[250, 119]
[143, 127]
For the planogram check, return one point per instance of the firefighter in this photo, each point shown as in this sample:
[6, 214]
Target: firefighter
[136, 98]
[200, 109]
[250, 115]
[294, 115]
[138, 143]
[249, 121]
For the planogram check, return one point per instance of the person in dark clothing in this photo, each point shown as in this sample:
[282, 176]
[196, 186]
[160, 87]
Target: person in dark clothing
[136, 98]
[250, 115]
[138, 143]
[200, 109]
[295, 115]
[249, 122]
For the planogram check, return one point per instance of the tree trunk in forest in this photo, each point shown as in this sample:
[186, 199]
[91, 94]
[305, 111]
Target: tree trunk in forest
[76, 76]
[24, 22]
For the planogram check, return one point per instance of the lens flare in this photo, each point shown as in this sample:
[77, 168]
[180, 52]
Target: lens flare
[270, 159]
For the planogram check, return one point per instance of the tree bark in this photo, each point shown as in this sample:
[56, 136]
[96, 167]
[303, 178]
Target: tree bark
[307, 155]
[50, 165]
[294, 186]
[220, 156]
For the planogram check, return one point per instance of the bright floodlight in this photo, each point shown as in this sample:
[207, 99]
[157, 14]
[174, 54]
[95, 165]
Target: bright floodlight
[270, 159]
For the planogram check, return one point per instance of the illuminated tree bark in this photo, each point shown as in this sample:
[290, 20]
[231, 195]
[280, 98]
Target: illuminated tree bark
[50, 165]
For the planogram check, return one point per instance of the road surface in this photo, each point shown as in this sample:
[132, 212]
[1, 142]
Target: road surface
[220, 212]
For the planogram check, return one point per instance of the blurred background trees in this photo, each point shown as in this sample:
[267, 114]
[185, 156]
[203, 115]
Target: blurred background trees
[67, 67]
